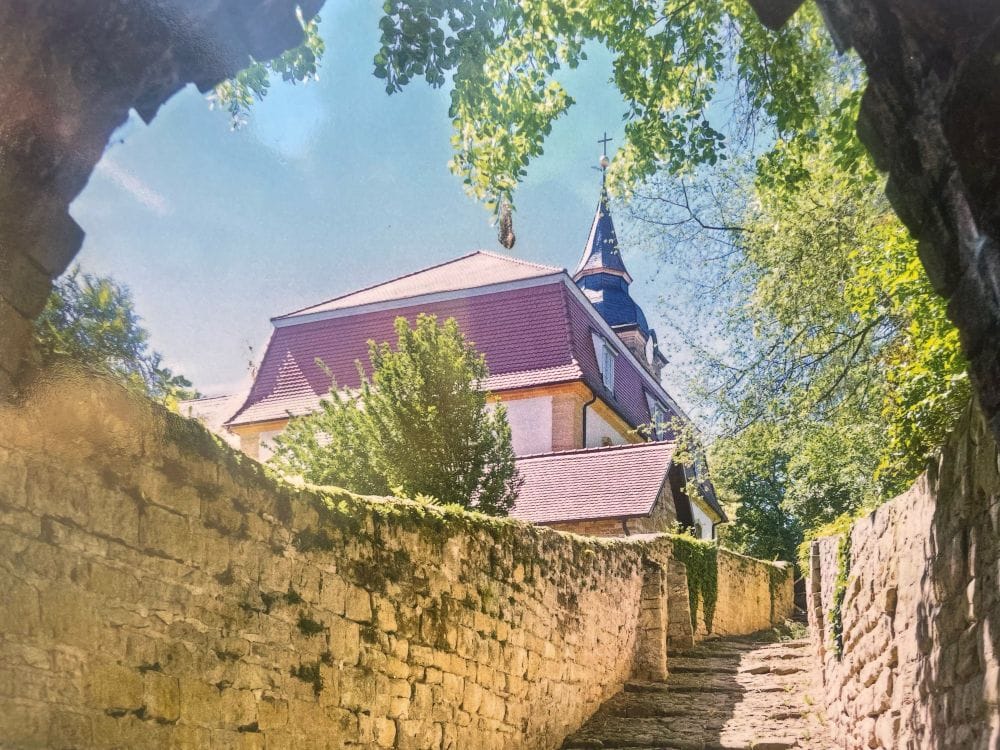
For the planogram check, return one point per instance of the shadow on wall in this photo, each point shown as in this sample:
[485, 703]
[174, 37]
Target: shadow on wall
[160, 589]
[919, 621]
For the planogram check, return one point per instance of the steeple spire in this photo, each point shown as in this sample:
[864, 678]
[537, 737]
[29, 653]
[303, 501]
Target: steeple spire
[601, 254]
[602, 276]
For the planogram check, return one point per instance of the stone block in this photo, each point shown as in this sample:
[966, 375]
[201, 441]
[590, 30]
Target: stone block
[237, 708]
[20, 614]
[200, 702]
[414, 734]
[345, 642]
[272, 713]
[161, 696]
[114, 687]
[166, 533]
[333, 594]
[358, 604]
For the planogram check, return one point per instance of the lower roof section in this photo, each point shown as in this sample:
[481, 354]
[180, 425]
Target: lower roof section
[621, 481]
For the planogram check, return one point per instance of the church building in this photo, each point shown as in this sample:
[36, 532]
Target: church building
[572, 358]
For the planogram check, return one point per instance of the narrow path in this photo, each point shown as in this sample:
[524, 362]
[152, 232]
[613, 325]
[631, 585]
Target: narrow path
[725, 694]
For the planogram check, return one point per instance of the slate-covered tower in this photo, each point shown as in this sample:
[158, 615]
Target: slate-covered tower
[602, 276]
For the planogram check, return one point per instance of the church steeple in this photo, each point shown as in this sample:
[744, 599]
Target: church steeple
[603, 278]
[601, 253]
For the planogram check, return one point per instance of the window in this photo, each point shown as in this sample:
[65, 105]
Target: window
[605, 360]
[659, 418]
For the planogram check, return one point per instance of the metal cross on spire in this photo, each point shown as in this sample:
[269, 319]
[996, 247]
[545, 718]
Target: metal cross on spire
[604, 142]
[604, 161]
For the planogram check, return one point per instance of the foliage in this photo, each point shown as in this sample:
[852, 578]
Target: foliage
[300, 64]
[701, 559]
[821, 352]
[333, 446]
[777, 577]
[672, 60]
[839, 526]
[419, 426]
[750, 472]
[836, 614]
[92, 319]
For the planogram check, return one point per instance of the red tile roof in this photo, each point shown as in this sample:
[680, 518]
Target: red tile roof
[481, 268]
[621, 481]
[521, 332]
[531, 333]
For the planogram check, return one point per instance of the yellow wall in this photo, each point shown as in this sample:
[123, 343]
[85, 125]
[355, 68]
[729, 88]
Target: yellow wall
[567, 401]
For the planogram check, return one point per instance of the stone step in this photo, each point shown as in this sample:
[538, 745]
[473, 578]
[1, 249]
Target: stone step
[682, 683]
[716, 666]
[720, 695]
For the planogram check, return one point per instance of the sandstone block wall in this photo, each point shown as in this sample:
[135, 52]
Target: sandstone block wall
[752, 595]
[920, 661]
[162, 590]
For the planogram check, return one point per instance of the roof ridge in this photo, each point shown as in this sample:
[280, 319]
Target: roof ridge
[381, 283]
[599, 449]
[205, 398]
[450, 261]
[522, 261]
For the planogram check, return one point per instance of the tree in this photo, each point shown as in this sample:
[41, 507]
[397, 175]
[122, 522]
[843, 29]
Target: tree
[750, 473]
[419, 426]
[674, 62]
[92, 319]
[297, 65]
[822, 353]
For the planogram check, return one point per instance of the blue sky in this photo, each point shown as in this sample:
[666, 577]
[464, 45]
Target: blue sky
[330, 186]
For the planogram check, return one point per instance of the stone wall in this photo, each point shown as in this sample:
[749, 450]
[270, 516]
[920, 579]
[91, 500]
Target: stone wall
[160, 589]
[918, 663]
[752, 595]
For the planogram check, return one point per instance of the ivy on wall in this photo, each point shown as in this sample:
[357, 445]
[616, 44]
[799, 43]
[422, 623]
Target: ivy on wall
[702, 562]
[835, 615]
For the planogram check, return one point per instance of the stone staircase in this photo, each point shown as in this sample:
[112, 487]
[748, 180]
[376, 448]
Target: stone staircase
[724, 694]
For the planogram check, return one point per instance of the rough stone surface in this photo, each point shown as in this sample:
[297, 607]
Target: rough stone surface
[72, 71]
[728, 694]
[930, 117]
[160, 589]
[748, 599]
[920, 666]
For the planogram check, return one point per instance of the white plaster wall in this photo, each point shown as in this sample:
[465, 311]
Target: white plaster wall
[530, 424]
[703, 519]
[598, 429]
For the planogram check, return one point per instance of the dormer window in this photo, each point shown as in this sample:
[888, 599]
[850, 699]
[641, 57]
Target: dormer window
[605, 360]
[659, 417]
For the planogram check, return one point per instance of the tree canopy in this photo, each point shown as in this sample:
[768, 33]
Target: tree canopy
[92, 319]
[698, 78]
[419, 426]
[695, 77]
[820, 349]
[297, 65]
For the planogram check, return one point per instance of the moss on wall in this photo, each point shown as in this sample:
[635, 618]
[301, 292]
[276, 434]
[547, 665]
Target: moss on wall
[702, 563]
[836, 616]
